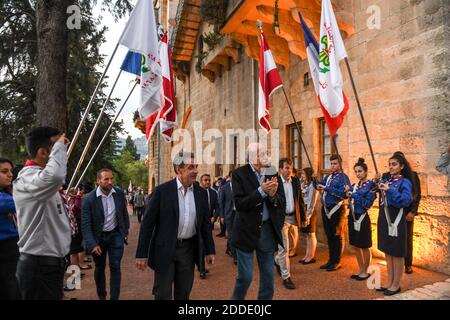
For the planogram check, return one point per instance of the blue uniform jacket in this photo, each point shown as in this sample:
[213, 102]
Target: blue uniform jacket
[400, 193]
[363, 198]
[7, 227]
[336, 189]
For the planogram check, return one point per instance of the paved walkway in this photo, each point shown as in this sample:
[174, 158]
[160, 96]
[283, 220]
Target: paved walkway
[435, 291]
[312, 283]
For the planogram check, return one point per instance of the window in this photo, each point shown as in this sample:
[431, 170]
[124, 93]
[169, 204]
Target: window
[234, 156]
[219, 158]
[294, 145]
[326, 147]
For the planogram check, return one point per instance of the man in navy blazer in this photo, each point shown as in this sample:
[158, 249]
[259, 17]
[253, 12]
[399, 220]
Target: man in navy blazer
[228, 212]
[104, 225]
[176, 232]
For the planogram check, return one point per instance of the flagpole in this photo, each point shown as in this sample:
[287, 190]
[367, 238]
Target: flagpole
[361, 114]
[259, 25]
[298, 129]
[104, 137]
[91, 137]
[88, 108]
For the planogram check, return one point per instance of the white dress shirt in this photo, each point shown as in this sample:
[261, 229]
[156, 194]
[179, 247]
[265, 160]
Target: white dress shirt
[188, 215]
[109, 209]
[289, 193]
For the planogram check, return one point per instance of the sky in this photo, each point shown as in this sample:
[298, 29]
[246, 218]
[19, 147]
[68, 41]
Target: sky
[124, 84]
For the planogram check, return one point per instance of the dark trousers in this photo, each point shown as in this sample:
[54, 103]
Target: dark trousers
[40, 278]
[111, 243]
[140, 213]
[202, 267]
[333, 229]
[264, 255]
[409, 243]
[179, 275]
[230, 222]
[9, 255]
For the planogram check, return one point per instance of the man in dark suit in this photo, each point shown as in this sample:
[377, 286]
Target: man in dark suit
[213, 206]
[411, 214]
[104, 225]
[288, 187]
[228, 212]
[258, 222]
[176, 232]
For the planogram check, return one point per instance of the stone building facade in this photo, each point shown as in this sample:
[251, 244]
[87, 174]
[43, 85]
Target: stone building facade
[400, 65]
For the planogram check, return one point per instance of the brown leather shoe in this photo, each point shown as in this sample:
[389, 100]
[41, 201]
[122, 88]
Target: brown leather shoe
[288, 283]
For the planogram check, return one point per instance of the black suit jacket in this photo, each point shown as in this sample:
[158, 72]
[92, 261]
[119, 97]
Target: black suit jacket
[93, 217]
[159, 227]
[300, 212]
[214, 204]
[249, 207]
[417, 192]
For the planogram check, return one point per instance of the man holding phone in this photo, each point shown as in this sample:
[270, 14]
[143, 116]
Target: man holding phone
[258, 221]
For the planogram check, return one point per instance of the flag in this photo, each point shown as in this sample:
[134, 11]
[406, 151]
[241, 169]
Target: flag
[132, 63]
[140, 36]
[269, 81]
[312, 52]
[167, 116]
[130, 187]
[333, 102]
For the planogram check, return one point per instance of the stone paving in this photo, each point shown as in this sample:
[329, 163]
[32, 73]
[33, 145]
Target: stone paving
[312, 283]
[435, 291]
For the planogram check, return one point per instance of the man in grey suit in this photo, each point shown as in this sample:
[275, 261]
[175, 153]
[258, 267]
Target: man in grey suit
[227, 212]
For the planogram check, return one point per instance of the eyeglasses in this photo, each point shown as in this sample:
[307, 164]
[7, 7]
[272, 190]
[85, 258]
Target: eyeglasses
[5, 171]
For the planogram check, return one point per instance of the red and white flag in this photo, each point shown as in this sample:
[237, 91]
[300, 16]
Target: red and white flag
[269, 81]
[167, 115]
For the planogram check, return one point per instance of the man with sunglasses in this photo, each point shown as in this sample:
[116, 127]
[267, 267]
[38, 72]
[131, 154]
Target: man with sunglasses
[43, 223]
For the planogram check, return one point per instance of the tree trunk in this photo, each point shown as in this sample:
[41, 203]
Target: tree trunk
[52, 40]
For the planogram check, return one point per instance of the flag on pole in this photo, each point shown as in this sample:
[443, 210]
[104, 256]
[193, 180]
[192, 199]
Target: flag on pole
[331, 49]
[312, 52]
[167, 116]
[269, 82]
[132, 63]
[130, 187]
[140, 36]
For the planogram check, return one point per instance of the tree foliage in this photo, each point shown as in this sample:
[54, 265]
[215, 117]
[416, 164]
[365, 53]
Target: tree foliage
[128, 169]
[18, 76]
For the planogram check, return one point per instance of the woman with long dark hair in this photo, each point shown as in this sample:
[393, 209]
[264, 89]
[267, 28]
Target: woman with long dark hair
[359, 227]
[9, 251]
[309, 194]
[396, 195]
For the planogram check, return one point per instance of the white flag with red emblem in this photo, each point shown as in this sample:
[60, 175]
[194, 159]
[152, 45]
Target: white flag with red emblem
[167, 115]
[140, 36]
[331, 51]
[269, 82]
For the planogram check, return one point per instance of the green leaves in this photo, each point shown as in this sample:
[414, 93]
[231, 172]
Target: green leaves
[324, 58]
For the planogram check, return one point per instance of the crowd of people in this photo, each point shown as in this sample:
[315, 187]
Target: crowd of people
[45, 228]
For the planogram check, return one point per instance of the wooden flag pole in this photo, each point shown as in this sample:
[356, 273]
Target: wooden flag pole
[333, 138]
[298, 130]
[259, 25]
[105, 136]
[361, 114]
[91, 137]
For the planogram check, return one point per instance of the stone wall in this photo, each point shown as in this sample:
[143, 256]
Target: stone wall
[401, 73]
